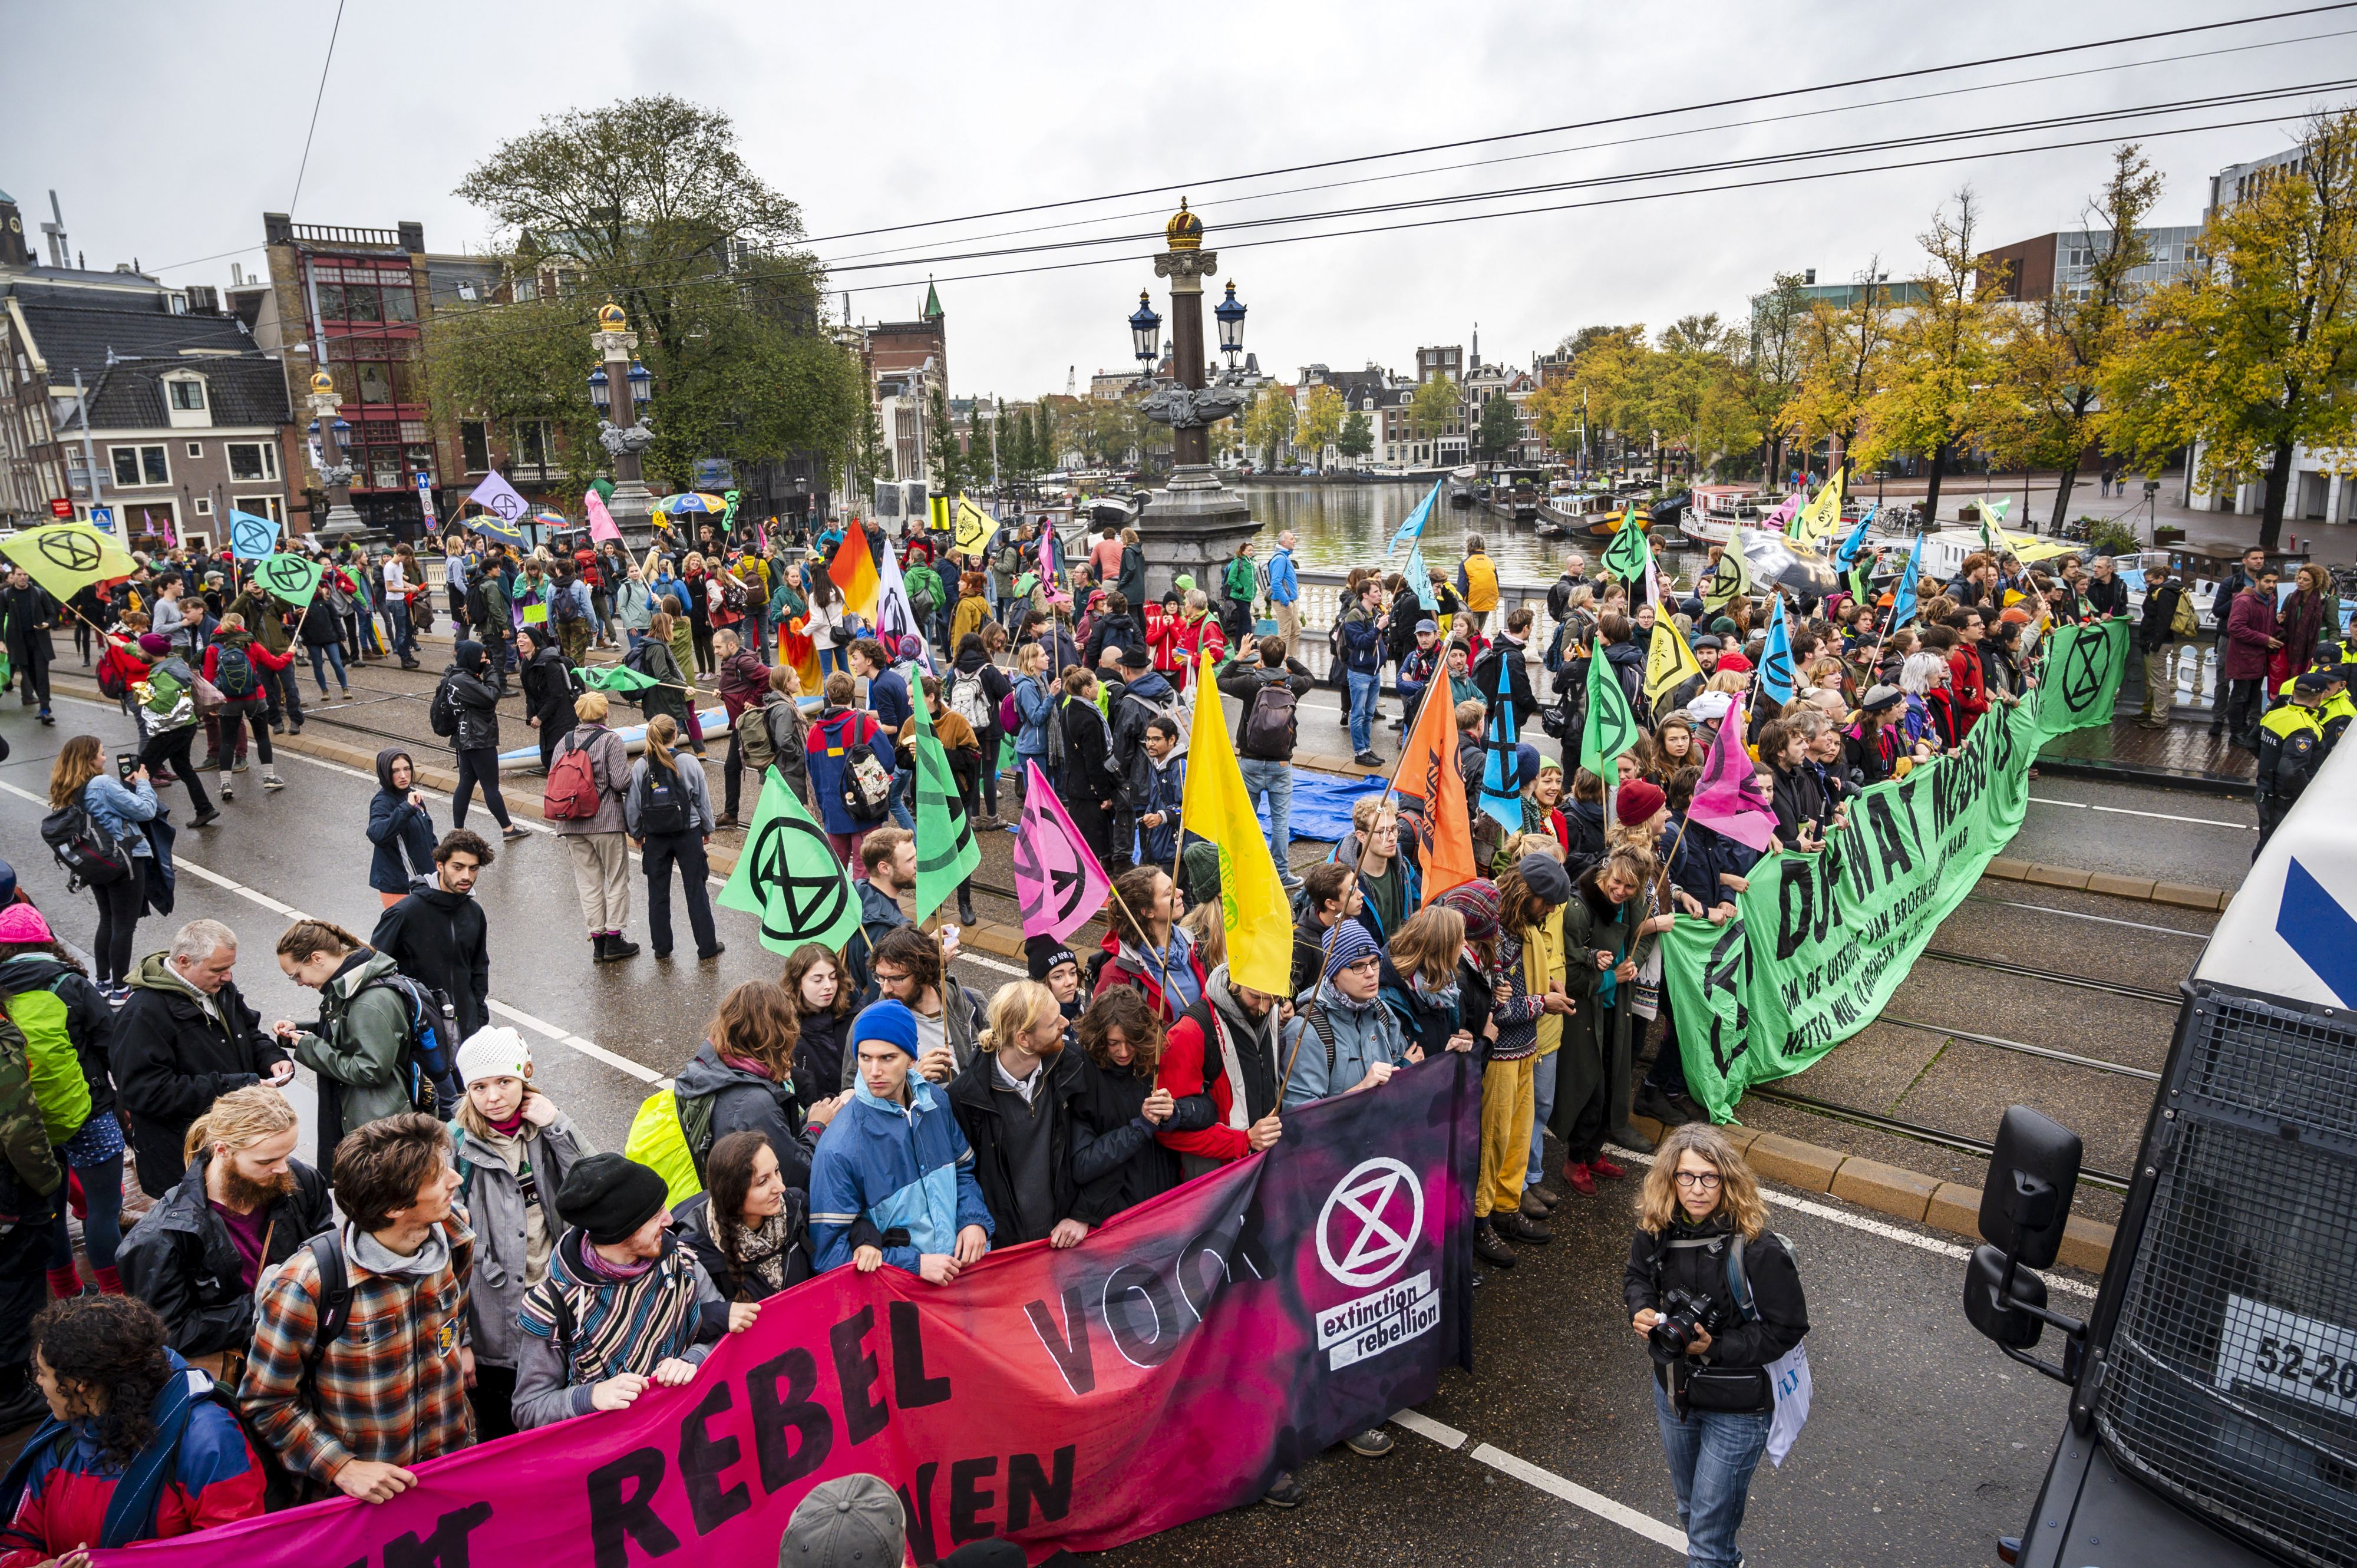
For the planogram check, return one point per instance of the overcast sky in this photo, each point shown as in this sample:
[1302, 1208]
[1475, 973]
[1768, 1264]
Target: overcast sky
[168, 133]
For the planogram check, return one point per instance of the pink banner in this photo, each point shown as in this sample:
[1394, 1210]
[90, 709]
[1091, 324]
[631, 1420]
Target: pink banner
[601, 521]
[1057, 882]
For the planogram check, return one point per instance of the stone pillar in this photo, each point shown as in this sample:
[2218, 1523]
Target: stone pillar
[1186, 268]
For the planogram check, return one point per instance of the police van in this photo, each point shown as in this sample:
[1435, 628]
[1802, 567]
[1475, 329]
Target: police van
[2214, 1388]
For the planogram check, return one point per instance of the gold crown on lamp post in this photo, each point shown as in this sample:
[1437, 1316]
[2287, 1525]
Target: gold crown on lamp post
[1185, 230]
[610, 318]
[322, 383]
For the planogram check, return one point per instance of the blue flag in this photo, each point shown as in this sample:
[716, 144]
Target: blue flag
[1855, 545]
[1419, 578]
[1902, 603]
[1502, 772]
[252, 538]
[1414, 527]
[1776, 659]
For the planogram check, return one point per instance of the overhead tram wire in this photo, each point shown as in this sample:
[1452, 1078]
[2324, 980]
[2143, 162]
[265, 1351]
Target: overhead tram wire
[1886, 143]
[320, 97]
[1229, 201]
[1609, 120]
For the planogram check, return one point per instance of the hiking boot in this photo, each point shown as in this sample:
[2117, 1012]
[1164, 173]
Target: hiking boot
[621, 947]
[1652, 1101]
[1515, 1228]
[1628, 1138]
[601, 948]
[1489, 1247]
[1533, 1205]
[1576, 1173]
[1604, 1167]
[1284, 1492]
[1371, 1444]
[726, 819]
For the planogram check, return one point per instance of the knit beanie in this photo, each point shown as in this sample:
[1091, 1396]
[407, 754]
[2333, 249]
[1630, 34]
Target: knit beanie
[22, 922]
[609, 1198]
[154, 643]
[493, 1051]
[1544, 875]
[1346, 944]
[1477, 901]
[852, 1522]
[1637, 802]
[1042, 954]
[890, 1022]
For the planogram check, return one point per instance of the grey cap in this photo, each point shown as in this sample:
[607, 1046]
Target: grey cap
[1880, 698]
[1544, 875]
[852, 1522]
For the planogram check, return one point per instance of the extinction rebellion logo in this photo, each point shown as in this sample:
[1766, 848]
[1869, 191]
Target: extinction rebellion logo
[1366, 1233]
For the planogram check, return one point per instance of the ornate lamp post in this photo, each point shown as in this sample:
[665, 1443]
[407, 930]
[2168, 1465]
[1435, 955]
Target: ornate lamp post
[1145, 335]
[1231, 326]
[335, 474]
[632, 504]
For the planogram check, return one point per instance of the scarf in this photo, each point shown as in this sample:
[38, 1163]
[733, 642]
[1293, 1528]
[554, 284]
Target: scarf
[604, 1268]
[1252, 1085]
[511, 1127]
[1435, 996]
[761, 1254]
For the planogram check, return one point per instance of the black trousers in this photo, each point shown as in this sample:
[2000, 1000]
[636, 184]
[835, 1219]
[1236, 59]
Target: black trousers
[733, 793]
[119, 905]
[686, 851]
[171, 749]
[24, 1257]
[246, 712]
[2243, 708]
[34, 683]
[478, 765]
[1668, 1073]
[493, 1397]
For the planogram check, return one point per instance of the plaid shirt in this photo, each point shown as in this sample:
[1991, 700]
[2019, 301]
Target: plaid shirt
[389, 1389]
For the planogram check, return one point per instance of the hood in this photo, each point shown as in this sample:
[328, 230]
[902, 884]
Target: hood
[154, 974]
[31, 971]
[970, 661]
[439, 898]
[706, 1073]
[874, 909]
[1625, 653]
[1151, 686]
[232, 635]
[1586, 810]
[384, 761]
[364, 965]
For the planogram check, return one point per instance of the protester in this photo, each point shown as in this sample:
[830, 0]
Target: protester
[1144, 947]
[1117, 1161]
[439, 936]
[400, 827]
[390, 1392]
[247, 674]
[1699, 1203]
[741, 1079]
[747, 1229]
[27, 614]
[466, 709]
[897, 1157]
[624, 1307]
[744, 685]
[118, 812]
[65, 1021]
[667, 812]
[550, 687]
[1267, 730]
[184, 1038]
[161, 698]
[591, 823]
[2251, 643]
[906, 968]
[1606, 927]
[851, 767]
[132, 1450]
[824, 1002]
[1362, 627]
[361, 1050]
[1389, 883]
[888, 858]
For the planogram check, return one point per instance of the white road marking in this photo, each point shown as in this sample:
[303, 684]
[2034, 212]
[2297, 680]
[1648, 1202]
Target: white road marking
[2156, 816]
[1572, 1492]
[1423, 1425]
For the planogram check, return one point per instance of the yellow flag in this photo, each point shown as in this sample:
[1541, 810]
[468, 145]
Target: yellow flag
[1252, 904]
[1669, 660]
[1823, 515]
[974, 527]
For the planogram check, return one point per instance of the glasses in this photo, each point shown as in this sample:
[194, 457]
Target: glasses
[1704, 1181]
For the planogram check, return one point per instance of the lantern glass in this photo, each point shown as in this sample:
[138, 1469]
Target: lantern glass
[1144, 329]
[598, 391]
[1231, 315]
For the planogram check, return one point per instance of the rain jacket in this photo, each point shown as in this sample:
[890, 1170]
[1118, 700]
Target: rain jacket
[1356, 1036]
[66, 1023]
[402, 833]
[829, 744]
[744, 1102]
[439, 938]
[474, 708]
[359, 1057]
[906, 1167]
[181, 1260]
[492, 1170]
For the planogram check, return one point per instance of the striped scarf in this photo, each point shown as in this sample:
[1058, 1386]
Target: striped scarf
[618, 1325]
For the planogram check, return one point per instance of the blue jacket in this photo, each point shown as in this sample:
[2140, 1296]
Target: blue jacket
[906, 1167]
[1284, 582]
[402, 833]
[1363, 1033]
[121, 810]
[887, 699]
[827, 748]
[1035, 706]
[1362, 643]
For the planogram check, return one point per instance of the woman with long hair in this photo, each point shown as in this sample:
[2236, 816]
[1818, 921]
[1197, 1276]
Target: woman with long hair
[701, 587]
[667, 812]
[744, 1070]
[824, 621]
[822, 1001]
[1116, 1158]
[119, 810]
[1701, 1229]
[1607, 932]
[2301, 621]
[1035, 710]
[1419, 980]
[363, 1023]
[748, 1229]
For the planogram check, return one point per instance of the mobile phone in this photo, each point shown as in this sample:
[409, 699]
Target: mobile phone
[126, 763]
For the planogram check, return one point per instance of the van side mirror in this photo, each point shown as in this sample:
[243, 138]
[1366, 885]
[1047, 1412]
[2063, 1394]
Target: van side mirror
[2032, 1175]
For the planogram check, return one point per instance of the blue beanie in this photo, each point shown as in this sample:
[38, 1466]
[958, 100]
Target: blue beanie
[1346, 944]
[887, 1021]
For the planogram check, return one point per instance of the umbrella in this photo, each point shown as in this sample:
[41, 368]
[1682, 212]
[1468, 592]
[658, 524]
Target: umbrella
[553, 519]
[691, 502]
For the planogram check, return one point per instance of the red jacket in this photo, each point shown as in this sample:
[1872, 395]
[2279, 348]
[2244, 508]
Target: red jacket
[214, 1481]
[2250, 626]
[263, 658]
[1181, 1072]
[1114, 973]
[1967, 692]
[1177, 641]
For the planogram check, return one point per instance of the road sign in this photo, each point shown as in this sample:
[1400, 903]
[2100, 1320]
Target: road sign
[60, 508]
[103, 519]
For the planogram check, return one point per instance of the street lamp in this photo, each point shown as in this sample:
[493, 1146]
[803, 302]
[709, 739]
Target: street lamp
[631, 503]
[1231, 315]
[335, 474]
[1145, 333]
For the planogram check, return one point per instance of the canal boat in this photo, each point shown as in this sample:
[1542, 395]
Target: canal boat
[1462, 484]
[1516, 501]
[1713, 512]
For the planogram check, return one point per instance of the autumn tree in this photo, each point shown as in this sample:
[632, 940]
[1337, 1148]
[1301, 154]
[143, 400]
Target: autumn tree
[1436, 406]
[2255, 355]
[1320, 422]
[1269, 422]
[1768, 370]
[1939, 398]
[1843, 352]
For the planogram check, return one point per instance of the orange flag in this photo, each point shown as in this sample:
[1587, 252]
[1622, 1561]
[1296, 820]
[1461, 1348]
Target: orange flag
[854, 573]
[1428, 767]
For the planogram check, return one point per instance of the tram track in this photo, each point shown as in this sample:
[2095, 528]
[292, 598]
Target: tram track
[1914, 1131]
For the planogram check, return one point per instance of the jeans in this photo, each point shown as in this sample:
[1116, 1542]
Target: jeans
[323, 656]
[1711, 1455]
[478, 765]
[1542, 1107]
[119, 905]
[101, 1227]
[1274, 780]
[1364, 685]
[662, 851]
[405, 637]
[281, 695]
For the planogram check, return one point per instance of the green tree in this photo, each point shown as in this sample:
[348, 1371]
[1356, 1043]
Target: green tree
[1320, 422]
[1043, 436]
[1769, 371]
[943, 454]
[2256, 354]
[1501, 430]
[1358, 437]
[1436, 406]
[1939, 396]
[1268, 424]
[1845, 353]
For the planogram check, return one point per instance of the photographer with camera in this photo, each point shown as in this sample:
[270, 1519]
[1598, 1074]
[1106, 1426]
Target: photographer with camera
[1717, 1298]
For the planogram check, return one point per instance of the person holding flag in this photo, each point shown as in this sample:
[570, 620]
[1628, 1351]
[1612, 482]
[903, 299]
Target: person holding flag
[1630, 556]
[1672, 671]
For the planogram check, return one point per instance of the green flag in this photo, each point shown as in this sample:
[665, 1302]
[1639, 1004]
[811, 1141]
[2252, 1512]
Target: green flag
[289, 577]
[616, 678]
[946, 853]
[788, 875]
[1730, 576]
[1629, 552]
[1611, 728]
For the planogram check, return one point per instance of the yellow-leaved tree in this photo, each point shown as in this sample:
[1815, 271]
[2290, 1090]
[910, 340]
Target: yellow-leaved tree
[1937, 397]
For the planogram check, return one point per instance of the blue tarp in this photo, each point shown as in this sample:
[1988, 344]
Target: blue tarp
[1323, 803]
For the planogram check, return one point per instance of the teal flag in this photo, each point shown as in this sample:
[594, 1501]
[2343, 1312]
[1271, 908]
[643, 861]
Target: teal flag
[946, 853]
[1611, 727]
[620, 678]
[788, 875]
[1820, 942]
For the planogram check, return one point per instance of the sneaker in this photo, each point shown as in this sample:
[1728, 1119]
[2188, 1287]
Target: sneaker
[1604, 1167]
[1368, 759]
[1284, 1492]
[511, 833]
[1515, 1228]
[272, 782]
[206, 821]
[1575, 1172]
[1371, 1444]
[1489, 1247]
[226, 792]
[237, 766]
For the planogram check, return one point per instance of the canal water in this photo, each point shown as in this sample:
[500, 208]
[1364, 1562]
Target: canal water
[1342, 526]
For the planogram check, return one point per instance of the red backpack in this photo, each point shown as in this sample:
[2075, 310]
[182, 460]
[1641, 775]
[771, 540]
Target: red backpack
[572, 795]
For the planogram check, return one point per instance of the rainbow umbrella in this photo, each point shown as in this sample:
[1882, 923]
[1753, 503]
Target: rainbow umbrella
[692, 502]
[553, 519]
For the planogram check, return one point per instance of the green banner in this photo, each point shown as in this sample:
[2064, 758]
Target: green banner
[946, 853]
[1820, 942]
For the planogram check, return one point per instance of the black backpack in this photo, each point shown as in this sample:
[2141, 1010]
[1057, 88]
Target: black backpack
[442, 714]
[428, 1044]
[662, 802]
[1267, 730]
[283, 1488]
[92, 857]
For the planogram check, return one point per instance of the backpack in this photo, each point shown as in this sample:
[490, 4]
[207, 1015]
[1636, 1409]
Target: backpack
[111, 681]
[864, 789]
[233, 671]
[565, 605]
[572, 794]
[673, 1135]
[428, 1045]
[968, 699]
[92, 857]
[1268, 726]
[663, 807]
[1010, 717]
[442, 714]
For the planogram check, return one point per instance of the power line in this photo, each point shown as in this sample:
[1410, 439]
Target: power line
[1610, 120]
[317, 99]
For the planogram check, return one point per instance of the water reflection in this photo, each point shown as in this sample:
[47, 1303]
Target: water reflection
[1342, 526]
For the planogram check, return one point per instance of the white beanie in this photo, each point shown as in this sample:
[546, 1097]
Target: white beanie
[494, 1051]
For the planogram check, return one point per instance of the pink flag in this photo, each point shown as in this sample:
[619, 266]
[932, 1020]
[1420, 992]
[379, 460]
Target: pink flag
[1058, 881]
[1728, 800]
[601, 521]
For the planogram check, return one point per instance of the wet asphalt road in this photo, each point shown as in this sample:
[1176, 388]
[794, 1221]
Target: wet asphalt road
[1924, 1445]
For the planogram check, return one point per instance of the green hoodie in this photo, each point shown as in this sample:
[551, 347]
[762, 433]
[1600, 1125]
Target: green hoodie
[361, 1049]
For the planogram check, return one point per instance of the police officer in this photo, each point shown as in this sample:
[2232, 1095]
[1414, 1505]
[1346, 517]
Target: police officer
[2291, 744]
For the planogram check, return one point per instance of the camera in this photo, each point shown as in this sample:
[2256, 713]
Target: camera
[1682, 1317]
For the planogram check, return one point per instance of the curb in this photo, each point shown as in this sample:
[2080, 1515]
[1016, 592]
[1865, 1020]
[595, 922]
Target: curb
[1886, 1189]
